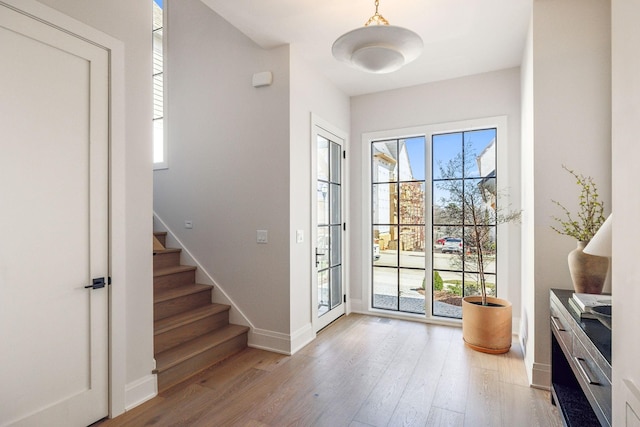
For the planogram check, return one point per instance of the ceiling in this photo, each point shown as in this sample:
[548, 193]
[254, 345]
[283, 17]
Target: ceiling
[461, 37]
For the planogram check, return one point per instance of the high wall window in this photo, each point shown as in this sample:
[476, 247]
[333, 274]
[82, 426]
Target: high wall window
[424, 260]
[159, 146]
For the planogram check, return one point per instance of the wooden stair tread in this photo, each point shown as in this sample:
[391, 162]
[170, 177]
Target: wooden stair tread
[163, 325]
[157, 245]
[168, 250]
[190, 332]
[172, 270]
[176, 355]
[167, 294]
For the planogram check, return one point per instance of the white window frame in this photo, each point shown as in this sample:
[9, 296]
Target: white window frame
[165, 163]
[502, 166]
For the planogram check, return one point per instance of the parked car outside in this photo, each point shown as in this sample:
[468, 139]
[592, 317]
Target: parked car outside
[452, 245]
[442, 240]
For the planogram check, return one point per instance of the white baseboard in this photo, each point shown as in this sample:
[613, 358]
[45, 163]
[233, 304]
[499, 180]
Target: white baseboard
[541, 376]
[278, 342]
[270, 341]
[141, 390]
[631, 398]
[302, 337]
[258, 338]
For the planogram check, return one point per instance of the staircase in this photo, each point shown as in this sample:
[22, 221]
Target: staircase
[190, 332]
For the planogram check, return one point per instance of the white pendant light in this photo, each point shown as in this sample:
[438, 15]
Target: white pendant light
[378, 47]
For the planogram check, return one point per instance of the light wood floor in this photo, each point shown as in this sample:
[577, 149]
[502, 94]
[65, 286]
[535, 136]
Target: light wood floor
[360, 371]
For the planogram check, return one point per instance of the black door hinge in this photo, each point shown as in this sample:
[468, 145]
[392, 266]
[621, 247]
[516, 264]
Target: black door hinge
[344, 154]
[344, 226]
[344, 298]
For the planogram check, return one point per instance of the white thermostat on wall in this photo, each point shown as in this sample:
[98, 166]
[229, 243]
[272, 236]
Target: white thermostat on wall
[264, 78]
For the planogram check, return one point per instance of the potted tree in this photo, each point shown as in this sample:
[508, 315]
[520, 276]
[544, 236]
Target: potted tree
[470, 200]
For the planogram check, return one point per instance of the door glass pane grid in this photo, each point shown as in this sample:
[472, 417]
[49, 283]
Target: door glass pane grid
[335, 248]
[464, 181]
[383, 199]
[336, 155]
[322, 248]
[412, 247]
[384, 161]
[322, 194]
[385, 288]
[411, 206]
[329, 219]
[411, 283]
[335, 204]
[398, 224]
[323, 292]
[322, 159]
[336, 286]
[382, 236]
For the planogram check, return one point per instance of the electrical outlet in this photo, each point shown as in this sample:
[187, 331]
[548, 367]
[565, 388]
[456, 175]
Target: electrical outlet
[262, 236]
[299, 236]
[188, 224]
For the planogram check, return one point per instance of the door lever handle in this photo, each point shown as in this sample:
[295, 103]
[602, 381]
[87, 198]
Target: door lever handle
[96, 283]
[318, 254]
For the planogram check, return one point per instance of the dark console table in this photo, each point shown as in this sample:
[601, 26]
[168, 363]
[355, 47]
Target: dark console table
[580, 365]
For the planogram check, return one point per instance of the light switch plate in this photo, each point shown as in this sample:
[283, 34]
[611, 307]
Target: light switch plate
[299, 236]
[262, 236]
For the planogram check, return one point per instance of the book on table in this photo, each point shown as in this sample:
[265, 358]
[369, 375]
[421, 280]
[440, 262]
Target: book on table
[583, 301]
[583, 314]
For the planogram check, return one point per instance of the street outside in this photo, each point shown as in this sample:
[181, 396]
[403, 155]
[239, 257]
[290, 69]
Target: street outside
[386, 281]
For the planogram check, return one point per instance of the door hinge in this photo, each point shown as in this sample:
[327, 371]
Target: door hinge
[344, 298]
[344, 226]
[344, 154]
[98, 283]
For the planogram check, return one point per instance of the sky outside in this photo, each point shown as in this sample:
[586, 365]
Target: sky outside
[445, 147]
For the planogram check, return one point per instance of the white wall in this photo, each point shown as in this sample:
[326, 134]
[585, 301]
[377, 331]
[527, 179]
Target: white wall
[310, 93]
[572, 126]
[130, 22]
[527, 314]
[626, 205]
[239, 160]
[484, 95]
[228, 155]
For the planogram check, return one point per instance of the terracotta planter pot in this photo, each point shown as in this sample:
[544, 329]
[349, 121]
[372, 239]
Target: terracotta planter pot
[487, 328]
[588, 272]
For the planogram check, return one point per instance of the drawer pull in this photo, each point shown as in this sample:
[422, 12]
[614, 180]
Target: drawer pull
[556, 325]
[584, 370]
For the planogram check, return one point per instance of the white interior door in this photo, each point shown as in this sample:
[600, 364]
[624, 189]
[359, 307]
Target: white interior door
[329, 294]
[54, 90]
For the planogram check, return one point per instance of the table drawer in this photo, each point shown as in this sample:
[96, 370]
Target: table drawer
[561, 328]
[596, 381]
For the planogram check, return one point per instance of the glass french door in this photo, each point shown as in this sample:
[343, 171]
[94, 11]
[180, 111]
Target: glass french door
[329, 295]
[398, 219]
[426, 193]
